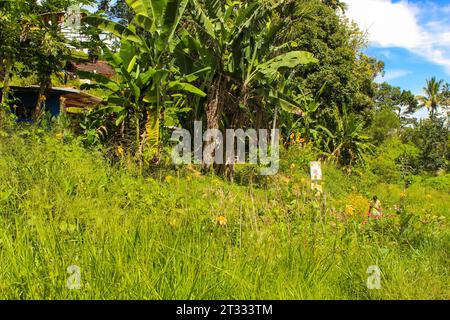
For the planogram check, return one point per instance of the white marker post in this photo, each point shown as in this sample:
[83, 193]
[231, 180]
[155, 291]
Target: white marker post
[316, 186]
[316, 176]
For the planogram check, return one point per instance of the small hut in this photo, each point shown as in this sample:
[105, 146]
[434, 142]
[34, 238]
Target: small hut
[58, 100]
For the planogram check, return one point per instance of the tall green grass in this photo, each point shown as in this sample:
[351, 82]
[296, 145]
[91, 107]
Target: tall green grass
[156, 237]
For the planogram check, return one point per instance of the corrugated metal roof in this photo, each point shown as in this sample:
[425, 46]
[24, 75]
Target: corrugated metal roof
[99, 67]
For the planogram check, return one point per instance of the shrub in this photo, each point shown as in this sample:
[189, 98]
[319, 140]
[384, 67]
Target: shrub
[394, 161]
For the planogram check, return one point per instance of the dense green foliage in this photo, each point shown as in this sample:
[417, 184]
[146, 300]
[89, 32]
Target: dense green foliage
[99, 190]
[32, 43]
[296, 65]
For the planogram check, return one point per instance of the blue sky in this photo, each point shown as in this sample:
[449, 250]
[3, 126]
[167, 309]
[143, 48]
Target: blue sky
[411, 37]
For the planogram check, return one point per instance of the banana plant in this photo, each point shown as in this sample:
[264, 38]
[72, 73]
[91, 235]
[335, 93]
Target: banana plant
[307, 108]
[132, 94]
[148, 78]
[237, 39]
[349, 143]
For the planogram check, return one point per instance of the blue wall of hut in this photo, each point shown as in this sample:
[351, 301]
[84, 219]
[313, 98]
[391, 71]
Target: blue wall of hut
[29, 100]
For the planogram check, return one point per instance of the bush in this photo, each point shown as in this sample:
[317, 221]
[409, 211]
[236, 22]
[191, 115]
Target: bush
[441, 183]
[394, 162]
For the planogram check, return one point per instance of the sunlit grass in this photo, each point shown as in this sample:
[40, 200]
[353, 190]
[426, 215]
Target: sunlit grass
[199, 237]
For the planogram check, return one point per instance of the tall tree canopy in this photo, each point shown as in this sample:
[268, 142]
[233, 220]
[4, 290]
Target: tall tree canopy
[433, 95]
[337, 44]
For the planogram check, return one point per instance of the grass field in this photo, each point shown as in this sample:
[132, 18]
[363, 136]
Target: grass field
[177, 234]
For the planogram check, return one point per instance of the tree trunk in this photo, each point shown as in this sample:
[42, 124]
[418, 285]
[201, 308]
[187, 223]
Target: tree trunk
[152, 136]
[7, 76]
[273, 136]
[6, 79]
[259, 121]
[44, 87]
[214, 108]
[433, 111]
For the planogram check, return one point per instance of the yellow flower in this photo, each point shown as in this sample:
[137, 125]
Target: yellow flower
[350, 210]
[221, 221]
[359, 203]
[403, 195]
[292, 136]
[169, 178]
[197, 174]
[293, 166]
[120, 151]
[59, 136]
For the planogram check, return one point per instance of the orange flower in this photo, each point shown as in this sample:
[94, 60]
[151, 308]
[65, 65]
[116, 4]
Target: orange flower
[292, 136]
[221, 221]
[297, 139]
[350, 210]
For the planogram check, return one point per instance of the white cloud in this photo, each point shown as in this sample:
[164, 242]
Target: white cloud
[421, 114]
[393, 74]
[387, 54]
[401, 24]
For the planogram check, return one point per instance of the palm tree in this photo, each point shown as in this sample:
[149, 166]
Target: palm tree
[432, 98]
[446, 101]
[446, 94]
